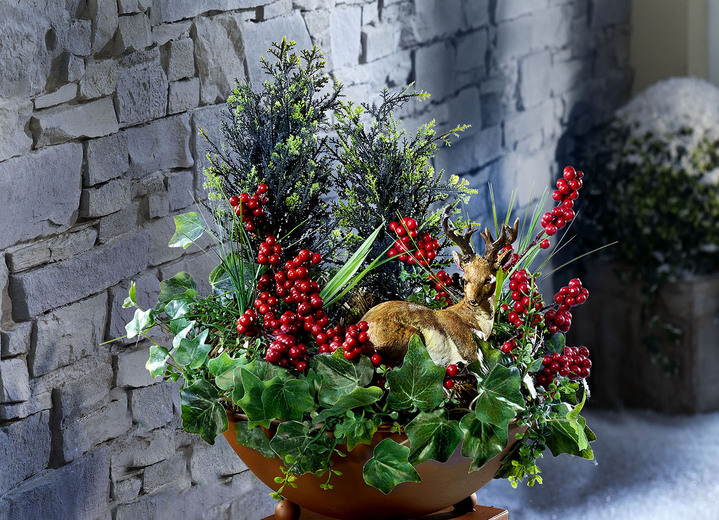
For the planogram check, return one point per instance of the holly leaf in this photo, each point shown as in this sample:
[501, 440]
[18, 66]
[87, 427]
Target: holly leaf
[188, 228]
[253, 438]
[433, 436]
[356, 430]
[158, 360]
[286, 400]
[201, 410]
[223, 369]
[389, 466]
[301, 448]
[180, 286]
[141, 321]
[499, 396]
[340, 376]
[193, 352]
[355, 399]
[482, 441]
[418, 382]
[251, 399]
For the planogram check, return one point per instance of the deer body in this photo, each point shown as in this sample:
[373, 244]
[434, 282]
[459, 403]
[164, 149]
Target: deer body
[449, 333]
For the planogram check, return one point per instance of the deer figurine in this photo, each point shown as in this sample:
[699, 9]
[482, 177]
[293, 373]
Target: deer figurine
[447, 333]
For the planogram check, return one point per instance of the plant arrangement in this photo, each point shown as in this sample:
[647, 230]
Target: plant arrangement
[294, 336]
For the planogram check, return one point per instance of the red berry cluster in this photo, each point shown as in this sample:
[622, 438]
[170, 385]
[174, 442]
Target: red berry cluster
[442, 281]
[560, 319]
[573, 362]
[354, 341]
[250, 208]
[247, 323]
[526, 298]
[450, 374]
[407, 238]
[270, 251]
[566, 193]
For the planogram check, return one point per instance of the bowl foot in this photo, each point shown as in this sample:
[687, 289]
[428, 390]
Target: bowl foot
[287, 510]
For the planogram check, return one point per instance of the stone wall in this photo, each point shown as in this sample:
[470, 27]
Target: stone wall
[99, 105]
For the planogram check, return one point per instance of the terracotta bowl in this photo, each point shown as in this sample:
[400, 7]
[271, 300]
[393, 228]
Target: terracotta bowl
[442, 485]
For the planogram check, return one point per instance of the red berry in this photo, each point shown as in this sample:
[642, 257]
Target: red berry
[376, 360]
[452, 370]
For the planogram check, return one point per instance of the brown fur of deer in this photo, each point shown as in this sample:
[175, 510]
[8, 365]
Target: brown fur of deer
[447, 333]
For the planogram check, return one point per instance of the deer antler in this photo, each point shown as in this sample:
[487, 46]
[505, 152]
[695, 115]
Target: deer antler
[464, 240]
[506, 237]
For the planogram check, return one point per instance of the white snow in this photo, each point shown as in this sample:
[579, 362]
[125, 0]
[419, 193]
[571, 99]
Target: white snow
[649, 467]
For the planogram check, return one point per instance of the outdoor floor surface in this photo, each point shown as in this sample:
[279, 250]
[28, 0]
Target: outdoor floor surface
[649, 466]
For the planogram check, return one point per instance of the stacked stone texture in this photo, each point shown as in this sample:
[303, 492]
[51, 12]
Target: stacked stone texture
[99, 105]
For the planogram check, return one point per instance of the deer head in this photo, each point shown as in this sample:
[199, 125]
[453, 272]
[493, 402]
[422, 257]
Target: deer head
[479, 272]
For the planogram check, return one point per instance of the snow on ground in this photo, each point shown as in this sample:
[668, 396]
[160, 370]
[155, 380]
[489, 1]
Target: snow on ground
[649, 467]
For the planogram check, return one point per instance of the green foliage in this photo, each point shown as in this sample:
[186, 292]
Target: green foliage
[417, 384]
[389, 466]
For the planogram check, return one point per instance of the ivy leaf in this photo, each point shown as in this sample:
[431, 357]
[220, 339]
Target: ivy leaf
[389, 466]
[355, 399]
[201, 410]
[158, 359]
[490, 357]
[356, 430]
[555, 343]
[267, 371]
[130, 301]
[231, 273]
[433, 436]
[418, 382]
[223, 368]
[142, 321]
[482, 441]
[180, 286]
[569, 432]
[253, 438]
[340, 376]
[175, 309]
[251, 400]
[302, 448]
[188, 228]
[500, 396]
[193, 352]
[286, 400]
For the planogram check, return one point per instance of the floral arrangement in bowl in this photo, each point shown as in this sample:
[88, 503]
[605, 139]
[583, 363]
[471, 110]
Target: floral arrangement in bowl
[333, 316]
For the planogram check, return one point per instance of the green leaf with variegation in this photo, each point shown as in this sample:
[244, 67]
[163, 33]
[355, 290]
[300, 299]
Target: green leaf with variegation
[130, 301]
[180, 286]
[356, 430]
[482, 441]
[357, 398]
[304, 450]
[569, 432]
[158, 360]
[223, 369]
[253, 438]
[389, 466]
[418, 382]
[201, 410]
[175, 309]
[251, 399]
[188, 228]
[555, 343]
[432, 435]
[499, 396]
[193, 352]
[231, 274]
[340, 376]
[142, 321]
[287, 400]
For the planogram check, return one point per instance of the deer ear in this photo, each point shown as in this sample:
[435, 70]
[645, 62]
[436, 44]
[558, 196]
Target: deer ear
[502, 258]
[457, 259]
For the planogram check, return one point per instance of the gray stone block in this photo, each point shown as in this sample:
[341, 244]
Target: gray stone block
[162, 144]
[257, 38]
[160, 231]
[104, 199]
[66, 122]
[435, 19]
[22, 217]
[13, 118]
[210, 464]
[476, 13]
[471, 51]
[86, 432]
[58, 339]
[611, 13]
[121, 223]
[152, 406]
[131, 371]
[66, 68]
[58, 248]
[434, 66]
[535, 79]
[527, 123]
[24, 450]
[184, 95]
[219, 56]
[509, 45]
[62, 95]
[141, 88]
[511, 9]
[78, 490]
[345, 35]
[125, 491]
[133, 6]
[171, 472]
[78, 37]
[105, 158]
[180, 191]
[163, 12]
[133, 33]
[471, 152]
[82, 396]
[207, 119]
[153, 189]
[276, 8]
[199, 265]
[171, 31]
[178, 58]
[103, 14]
[5, 303]
[100, 79]
[15, 341]
[139, 451]
[51, 286]
[379, 41]
[14, 381]
[38, 402]
[146, 290]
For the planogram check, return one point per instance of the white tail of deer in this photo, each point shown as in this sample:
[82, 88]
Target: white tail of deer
[447, 333]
